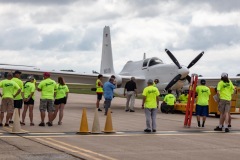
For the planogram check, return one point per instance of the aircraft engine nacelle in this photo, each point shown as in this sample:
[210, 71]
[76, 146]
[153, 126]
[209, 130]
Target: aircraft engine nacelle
[119, 81]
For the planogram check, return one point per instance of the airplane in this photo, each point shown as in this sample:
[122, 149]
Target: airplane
[171, 76]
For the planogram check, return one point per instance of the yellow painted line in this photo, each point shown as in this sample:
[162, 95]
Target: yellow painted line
[44, 133]
[68, 149]
[82, 149]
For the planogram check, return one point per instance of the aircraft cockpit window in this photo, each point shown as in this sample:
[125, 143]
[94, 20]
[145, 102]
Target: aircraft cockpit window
[145, 62]
[155, 61]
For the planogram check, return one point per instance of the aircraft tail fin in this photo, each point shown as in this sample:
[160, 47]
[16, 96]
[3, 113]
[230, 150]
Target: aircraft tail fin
[107, 59]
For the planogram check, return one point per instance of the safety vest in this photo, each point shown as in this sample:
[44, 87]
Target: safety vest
[99, 88]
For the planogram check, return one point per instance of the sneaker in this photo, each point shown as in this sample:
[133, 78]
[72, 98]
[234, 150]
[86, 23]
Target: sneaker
[59, 123]
[11, 121]
[226, 130]
[22, 123]
[217, 129]
[147, 130]
[99, 110]
[132, 110]
[32, 124]
[126, 110]
[6, 125]
[42, 124]
[229, 126]
[154, 130]
[1, 124]
[49, 124]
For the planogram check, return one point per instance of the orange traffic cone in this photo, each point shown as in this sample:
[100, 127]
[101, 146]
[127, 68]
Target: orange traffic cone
[108, 125]
[16, 125]
[96, 125]
[84, 123]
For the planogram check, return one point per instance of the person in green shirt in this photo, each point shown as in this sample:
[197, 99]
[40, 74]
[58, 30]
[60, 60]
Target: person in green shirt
[99, 91]
[8, 94]
[18, 100]
[47, 88]
[183, 98]
[203, 93]
[61, 96]
[156, 81]
[225, 90]
[150, 104]
[170, 100]
[28, 90]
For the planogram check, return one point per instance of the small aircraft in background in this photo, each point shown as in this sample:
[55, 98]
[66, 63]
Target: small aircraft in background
[174, 76]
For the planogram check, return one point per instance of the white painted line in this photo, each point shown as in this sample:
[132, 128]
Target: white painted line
[44, 133]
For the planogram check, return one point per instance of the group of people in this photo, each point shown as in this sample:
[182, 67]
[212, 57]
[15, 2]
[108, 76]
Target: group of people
[15, 93]
[151, 95]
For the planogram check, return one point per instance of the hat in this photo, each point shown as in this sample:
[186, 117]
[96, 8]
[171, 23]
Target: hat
[203, 81]
[30, 78]
[150, 81]
[46, 74]
[224, 75]
[17, 72]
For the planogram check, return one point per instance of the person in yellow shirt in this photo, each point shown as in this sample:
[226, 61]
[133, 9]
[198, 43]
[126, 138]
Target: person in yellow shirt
[99, 91]
[225, 90]
[150, 104]
[170, 100]
[61, 96]
[28, 90]
[156, 81]
[183, 98]
[203, 93]
[47, 88]
[10, 90]
[18, 100]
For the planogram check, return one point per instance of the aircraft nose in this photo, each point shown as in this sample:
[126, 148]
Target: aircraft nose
[184, 71]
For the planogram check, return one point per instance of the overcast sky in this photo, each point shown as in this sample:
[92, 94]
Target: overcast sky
[67, 34]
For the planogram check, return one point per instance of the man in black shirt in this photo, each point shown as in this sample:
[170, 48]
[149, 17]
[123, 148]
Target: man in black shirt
[131, 89]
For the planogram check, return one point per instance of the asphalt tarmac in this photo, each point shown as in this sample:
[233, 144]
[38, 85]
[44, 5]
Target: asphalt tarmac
[171, 141]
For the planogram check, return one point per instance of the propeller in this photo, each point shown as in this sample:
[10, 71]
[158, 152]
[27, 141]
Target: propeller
[15, 65]
[182, 69]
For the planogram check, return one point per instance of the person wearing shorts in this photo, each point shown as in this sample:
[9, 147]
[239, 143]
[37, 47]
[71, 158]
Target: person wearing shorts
[28, 90]
[61, 96]
[225, 90]
[8, 94]
[99, 91]
[47, 88]
[18, 100]
[203, 93]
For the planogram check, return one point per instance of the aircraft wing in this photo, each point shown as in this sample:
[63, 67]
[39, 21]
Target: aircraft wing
[213, 81]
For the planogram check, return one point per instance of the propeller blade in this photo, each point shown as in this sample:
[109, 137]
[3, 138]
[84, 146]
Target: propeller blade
[195, 60]
[173, 58]
[188, 79]
[173, 81]
[14, 65]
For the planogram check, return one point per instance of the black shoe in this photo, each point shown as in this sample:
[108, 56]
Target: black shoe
[49, 124]
[6, 125]
[99, 110]
[147, 130]
[226, 130]
[132, 110]
[217, 129]
[229, 126]
[1, 124]
[11, 122]
[154, 130]
[42, 124]
[126, 110]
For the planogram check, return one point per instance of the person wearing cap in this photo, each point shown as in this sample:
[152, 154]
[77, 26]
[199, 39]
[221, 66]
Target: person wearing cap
[10, 90]
[156, 81]
[108, 88]
[131, 89]
[99, 91]
[203, 93]
[170, 100]
[225, 90]
[150, 104]
[61, 96]
[47, 88]
[18, 100]
[28, 90]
